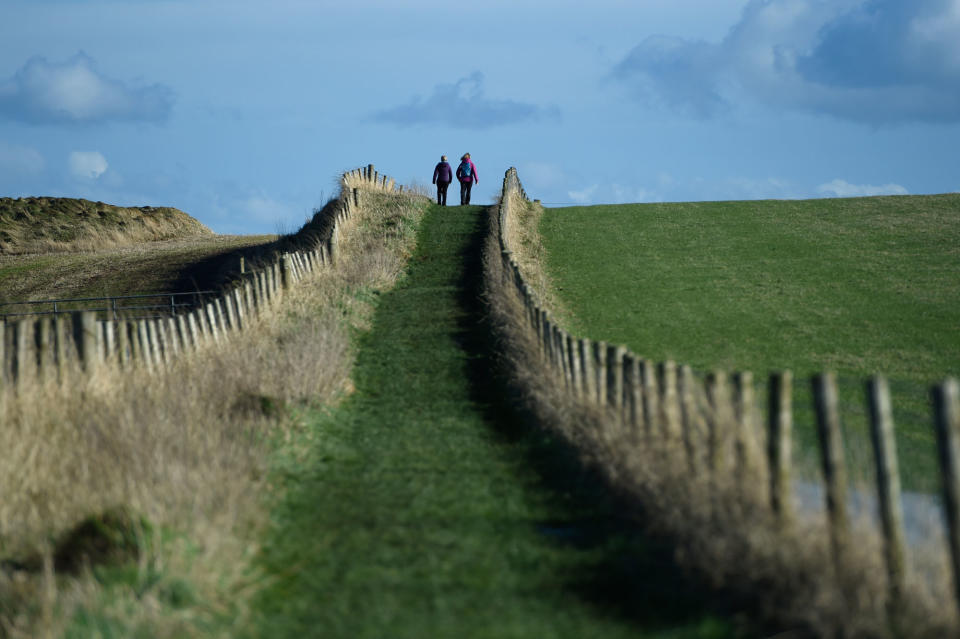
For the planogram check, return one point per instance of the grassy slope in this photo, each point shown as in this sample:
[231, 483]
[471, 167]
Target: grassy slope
[853, 285]
[45, 224]
[428, 509]
[141, 268]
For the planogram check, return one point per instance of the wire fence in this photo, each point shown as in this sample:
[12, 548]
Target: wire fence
[115, 307]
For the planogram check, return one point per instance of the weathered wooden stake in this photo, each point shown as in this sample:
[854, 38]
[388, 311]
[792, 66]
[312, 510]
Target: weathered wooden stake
[690, 417]
[831, 456]
[946, 406]
[669, 402]
[614, 366]
[651, 403]
[600, 370]
[587, 374]
[85, 335]
[888, 485]
[779, 435]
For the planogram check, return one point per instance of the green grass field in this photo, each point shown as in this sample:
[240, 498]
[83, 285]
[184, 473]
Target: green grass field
[855, 286]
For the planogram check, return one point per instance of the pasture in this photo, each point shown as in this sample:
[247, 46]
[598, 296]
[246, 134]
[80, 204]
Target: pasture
[857, 286]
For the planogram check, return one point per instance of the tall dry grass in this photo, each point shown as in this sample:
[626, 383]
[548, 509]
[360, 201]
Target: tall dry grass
[786, 578]
[186, 448]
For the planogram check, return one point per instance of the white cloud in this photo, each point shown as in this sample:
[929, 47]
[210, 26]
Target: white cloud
[842, 188]
[583, 196]
[20, 160]
[873, 61]
[88, 165]
[464, 104]
[75, 92]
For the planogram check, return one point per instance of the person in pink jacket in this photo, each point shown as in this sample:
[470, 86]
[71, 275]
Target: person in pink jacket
[467, 174]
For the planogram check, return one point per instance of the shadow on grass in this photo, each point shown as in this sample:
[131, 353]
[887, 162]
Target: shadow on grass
[634, 576]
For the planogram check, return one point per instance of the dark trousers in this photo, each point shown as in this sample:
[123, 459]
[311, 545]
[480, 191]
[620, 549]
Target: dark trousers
[465, 192]
[442, 193]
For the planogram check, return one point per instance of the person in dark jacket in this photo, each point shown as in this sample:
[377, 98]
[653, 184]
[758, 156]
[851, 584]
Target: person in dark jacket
[442, 177]
[467, 174]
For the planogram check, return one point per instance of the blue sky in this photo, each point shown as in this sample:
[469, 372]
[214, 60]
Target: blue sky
[242, 112]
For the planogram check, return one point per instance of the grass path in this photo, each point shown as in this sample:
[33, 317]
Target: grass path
[424, 506]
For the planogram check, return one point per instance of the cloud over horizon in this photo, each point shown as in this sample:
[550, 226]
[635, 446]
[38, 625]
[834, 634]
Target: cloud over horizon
[75, 93]
[869, 61]
[87, 165]
[463, 105]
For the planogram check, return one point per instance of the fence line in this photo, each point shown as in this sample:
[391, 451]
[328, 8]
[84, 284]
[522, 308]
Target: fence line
[44, 348]
[717, 426]
[114, 307]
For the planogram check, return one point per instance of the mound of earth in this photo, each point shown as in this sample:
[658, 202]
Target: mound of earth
[51, 224]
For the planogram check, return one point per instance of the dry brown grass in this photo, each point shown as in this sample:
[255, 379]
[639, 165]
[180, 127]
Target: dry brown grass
[180, 265]
[186, 447]
[52, 224]
[783, 577]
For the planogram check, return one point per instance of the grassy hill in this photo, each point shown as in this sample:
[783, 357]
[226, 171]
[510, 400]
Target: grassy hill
[47, 224]
[856, 285]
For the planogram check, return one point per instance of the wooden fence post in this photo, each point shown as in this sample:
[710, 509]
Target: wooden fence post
[109, 342]
[370, 173]
[211, 313]
[632, 401]
[587, 374]
[573, 365]
[85, 335]
[193, 329]
[43, 340]
[237, 295]
[888, 485]
[600, 368]
[157, 343]
[667, 372]
[719, 421]
[651, 403]
[831, 456]
[690, 417]
[946, 405]
[132, 328]
[614, 366]
[227, 299]
[20, 360]
[745, 437]
[123, 343]
[779, 435]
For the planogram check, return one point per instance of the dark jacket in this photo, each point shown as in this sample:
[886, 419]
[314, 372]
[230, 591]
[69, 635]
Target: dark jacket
[443, 173]
[473, 172]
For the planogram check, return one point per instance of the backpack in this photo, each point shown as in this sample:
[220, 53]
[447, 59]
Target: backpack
[465, 169]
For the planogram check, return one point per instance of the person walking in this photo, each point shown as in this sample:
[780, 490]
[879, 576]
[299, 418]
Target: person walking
[467, 174]
[442, 177]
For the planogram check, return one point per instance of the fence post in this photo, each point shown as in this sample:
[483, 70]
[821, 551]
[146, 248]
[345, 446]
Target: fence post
[238, 303]
[631, 394]
[123, 343]
[614, 366]
[745, 438]
[193, 329]
[4, 370]
[946, 406]
[888, 485]
[143, 338]
[689, 415]
[651, 404]
[573, 364]
[600, 368]
[131, 329]
[86, 336]
[667, 372]
[227, 300]
[42, 335]
[719, 421]
[587, 375]
[109, 341]
[779, 434]
[173, 339]
[18, 350]
[370, 173]
[157, 342]
[831, 455]
[211, 314]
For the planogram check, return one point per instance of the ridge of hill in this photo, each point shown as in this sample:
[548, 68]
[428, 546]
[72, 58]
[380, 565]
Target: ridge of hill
[58, 225]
